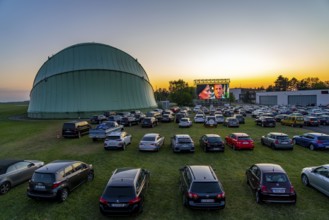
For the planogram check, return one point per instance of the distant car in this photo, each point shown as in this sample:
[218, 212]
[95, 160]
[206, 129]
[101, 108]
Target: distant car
[239, 141]
[311, 121]
[279, 117]
[151, 142]
[210, 121]
[265, 121]
[167, 118]
[240, 118]
[219, 118]
[270, 183]
[199, 118]
[231, 122]
[125, 192]
[313, 141]
[201, 188]
[182, 142]
[97, 119]
[178, 116]
[185, 123]
[293, 120]
[211, 142]
[149, 122]
[324, 119]
[14, 172]
[57, 179]
[117, 140]
[317, 177]
[129, 121]
[75, 129]
[277, 140]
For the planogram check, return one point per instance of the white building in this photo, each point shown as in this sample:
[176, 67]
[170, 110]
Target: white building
[302, 97]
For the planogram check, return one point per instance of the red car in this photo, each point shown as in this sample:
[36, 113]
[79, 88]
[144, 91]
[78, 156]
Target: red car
[239, 141]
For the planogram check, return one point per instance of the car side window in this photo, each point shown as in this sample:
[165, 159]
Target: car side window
[68, 170]
[322, 171]
[22, 165]
[77, 166]
[11, 168]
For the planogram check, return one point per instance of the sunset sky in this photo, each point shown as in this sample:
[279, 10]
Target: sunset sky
[251, 42]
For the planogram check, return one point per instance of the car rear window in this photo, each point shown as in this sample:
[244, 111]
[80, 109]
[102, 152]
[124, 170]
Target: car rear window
[68, 126]
[214, 139]
[323, 138]
[269, 119]
[184, 140]
[275, 178]
[244, 138]
[117, 191]
[43, 177]
[148, 138]
[206, 187]
[282, 137]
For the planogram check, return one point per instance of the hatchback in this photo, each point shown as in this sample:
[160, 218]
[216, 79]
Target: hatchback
[239, 141]
[125, 191]
[313, 141]
[185, 123]
[117, 140]
[182, 142]
[277, 140]
[270, 183]
[151, 142]
[317, 177]
[211, 142]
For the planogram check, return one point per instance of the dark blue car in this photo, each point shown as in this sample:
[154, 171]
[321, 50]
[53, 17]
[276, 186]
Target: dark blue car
[313, 141]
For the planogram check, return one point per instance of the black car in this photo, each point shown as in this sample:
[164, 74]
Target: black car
[240, 118]
[270, 183]
[14, 172]
[129, 121]
[125, 191]
[75, 129]
[149, 122]
[201, 188]
[266, 121]
[211, 142]
[58, 178]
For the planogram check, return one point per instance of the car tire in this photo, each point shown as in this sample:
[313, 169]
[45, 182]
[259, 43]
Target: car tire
[63, 194]
[258, 200]
[312, 147]
[305, 180]
[5, 187]
[90, 176]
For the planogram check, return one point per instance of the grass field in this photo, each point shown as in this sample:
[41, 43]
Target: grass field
[37, 139]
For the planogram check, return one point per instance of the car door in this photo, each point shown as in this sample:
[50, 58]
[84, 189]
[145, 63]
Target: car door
[254, 177]
[70, 178]
[80, 173]
[25, 170]
[319, 178]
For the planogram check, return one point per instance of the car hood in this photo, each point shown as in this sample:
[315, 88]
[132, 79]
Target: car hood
[308, 169]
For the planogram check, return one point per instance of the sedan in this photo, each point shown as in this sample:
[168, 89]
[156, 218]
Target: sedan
[239, 141]
[151, 142]
[182, 142]
[14, 172]
[185, 123]
[199, 118]
[313, 141]
[211, 142]
[277, 140]
[117, 140]
[231, 122]
[318, 177]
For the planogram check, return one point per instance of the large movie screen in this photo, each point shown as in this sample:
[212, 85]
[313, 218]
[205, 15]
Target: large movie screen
[212, 91]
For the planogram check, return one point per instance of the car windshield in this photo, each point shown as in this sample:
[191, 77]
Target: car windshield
[148, 138]
[269, 119]
[206, 187]
[68, 126]
[323, 138]
[214, 139]
[244, 138]
[43, 177]
[184, 120]
[184, 140]
[113, 138]
[117, 191]
[275, 178]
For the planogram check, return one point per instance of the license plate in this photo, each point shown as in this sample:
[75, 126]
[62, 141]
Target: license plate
[278, 190]
[39, 187]
[216, 148]
[284, 142]
[118, 205]
[245, 142]
[207, 200]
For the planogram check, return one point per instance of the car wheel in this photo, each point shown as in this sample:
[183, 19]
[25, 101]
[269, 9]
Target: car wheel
[4, 188]
[63, 194]
[90, 176]
[305, 180]
[311, 147]
[258, 200]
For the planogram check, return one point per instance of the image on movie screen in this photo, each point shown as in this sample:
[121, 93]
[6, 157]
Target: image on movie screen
[212, 91]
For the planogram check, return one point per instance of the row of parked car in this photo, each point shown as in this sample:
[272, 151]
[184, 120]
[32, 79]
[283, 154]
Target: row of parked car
[125, 191]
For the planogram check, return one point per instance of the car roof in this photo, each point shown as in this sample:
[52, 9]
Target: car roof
[183, 136]
[212, 135]
[151, 134]
[123, 176]
[7, 163]
[316, 134]
[241, 134]
[56, 165]
[270, 167]
[278, 134]
[202, 173]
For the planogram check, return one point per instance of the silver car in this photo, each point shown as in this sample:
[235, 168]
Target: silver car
[277, 140]
[182, 142]
[318, 177]
[151, 142]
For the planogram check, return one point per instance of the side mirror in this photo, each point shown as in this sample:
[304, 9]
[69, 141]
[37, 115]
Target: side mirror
[31, 165]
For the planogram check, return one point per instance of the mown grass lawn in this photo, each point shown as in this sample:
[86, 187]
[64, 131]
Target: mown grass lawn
[37, 139]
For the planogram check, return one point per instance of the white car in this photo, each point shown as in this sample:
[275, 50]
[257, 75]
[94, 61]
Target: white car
[151, 142]
[117, 140]
[199, 118]
[185, 123]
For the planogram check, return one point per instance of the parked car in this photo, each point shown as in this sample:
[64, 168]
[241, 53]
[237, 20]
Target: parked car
[293, 120]
[104, 129]
[199, 118]
[240, 118]
[125, 191]
[279, 117]
[265, 121]
[239, 141]
[201, 188]
[317, 177]
[117, 140]
[97, 119]
[311, 121]
[115, 118]
[75, 129]
[178, 116]
[231, 122]
[211, 142]
[324, 119]
[210, 121]
[185, 123]
[167, 118]
[140, 116]
[14, 172]
[149, 122]
[219, 118]
[270, 183]
[151, 142]
[182, 142]
[57, 179]
[277, 140]
[313, 141]
[129, 121]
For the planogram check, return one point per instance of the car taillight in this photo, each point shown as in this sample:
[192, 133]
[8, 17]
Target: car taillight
[193, 195]
[276, 142]
[221, 195]
[319, 142]
[135, 200]
[263, 188]
[55, 185]
[292, 189]
[102, 200]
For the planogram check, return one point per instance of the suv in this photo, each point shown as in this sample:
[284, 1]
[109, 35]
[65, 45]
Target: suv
[125, 191]
[201, 188]
[149, 122]
[117, 140]
[56, 179]
[210, 121]
[129, 121]
[182, 142]
[75, 128]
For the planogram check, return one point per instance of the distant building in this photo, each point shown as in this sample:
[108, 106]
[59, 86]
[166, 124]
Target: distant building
[245, 95]
[301, 97]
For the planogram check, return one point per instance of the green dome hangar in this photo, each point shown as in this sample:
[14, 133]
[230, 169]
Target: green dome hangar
[86, 79]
